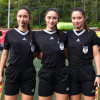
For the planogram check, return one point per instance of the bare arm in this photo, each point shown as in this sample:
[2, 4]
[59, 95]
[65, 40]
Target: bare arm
[4, 57]
[39, 55]
[97, 63]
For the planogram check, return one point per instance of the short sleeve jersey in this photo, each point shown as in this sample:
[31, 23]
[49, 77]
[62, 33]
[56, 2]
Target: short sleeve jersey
[19, 45]
[80, 47]
[51, 45]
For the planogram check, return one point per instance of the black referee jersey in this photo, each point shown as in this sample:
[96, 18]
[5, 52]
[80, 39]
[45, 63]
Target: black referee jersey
[51, 45]
[80, 47]
[19, 45]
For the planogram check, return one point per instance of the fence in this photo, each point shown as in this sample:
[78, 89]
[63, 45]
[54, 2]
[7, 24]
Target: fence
[38, 8]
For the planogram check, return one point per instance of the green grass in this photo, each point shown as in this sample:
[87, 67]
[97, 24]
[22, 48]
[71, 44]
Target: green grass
[37, 64]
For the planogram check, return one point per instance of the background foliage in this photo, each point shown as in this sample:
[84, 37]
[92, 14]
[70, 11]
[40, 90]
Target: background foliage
[38, 8]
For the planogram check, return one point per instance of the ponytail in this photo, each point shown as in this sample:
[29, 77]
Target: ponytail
[59, 31]
[29, 28]
[86, 27]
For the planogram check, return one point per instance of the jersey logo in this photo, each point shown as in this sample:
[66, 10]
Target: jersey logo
[93, 91]
[85, 49]
[24, 39]
[32, 90]
[67, 89]
[61, 45]
[78, 40]
[51, 38]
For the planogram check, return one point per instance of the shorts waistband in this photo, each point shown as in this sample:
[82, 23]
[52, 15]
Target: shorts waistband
[85, 65]
[21, 67]
[54, 68]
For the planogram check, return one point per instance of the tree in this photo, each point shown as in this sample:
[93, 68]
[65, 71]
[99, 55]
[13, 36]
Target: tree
[38, 10]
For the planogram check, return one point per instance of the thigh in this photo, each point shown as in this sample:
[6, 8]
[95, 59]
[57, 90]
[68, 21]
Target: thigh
[88, 88]
[75, 97]
[88, 97]
[75, 88]
[75, 85]
[14, 97]
[45, 98]
[88, 77]
[12, 83]
[45, 89]
[46, 86]
[61, 96]
[87, 73]
[26, 97]
[28, 81]
[62, 81]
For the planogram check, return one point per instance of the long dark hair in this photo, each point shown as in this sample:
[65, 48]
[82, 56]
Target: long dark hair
[28, 10]
[54, 9]
[84, 14]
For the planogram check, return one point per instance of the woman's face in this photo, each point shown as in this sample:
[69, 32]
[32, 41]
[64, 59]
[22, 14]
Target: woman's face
[22, 18]
[51, 19]
[78, 19]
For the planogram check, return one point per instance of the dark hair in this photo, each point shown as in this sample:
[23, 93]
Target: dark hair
[28, 10]
[54, 9]
[84, 14]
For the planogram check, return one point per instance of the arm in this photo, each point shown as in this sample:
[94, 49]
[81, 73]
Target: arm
[4, 57]
[66, 53]
[39, 55]
[97, 63]
[35, 54]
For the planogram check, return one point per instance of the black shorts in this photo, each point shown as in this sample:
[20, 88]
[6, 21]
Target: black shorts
[53, 80]
[18, 79]
[82, 80]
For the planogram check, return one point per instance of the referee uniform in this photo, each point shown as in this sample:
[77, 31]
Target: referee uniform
[20, 73]
[53, 75]
[82, 73]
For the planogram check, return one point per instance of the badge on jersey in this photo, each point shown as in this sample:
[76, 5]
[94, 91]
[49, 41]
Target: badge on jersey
[85, 49]
[61, 45]
[32, 48]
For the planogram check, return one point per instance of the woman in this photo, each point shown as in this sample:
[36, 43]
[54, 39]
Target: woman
[20, 74]
[82, 48]
[53, 76]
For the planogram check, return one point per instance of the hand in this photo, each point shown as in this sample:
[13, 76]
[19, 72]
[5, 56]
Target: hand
[97, 81]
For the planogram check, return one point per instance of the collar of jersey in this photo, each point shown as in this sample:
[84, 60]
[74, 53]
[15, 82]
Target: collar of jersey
[23, 33]
[50, 32]
[78, 34]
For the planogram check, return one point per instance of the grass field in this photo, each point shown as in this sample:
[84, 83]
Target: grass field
[37, 64]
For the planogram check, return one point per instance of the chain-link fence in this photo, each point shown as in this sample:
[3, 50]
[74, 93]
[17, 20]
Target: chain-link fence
[38, 8]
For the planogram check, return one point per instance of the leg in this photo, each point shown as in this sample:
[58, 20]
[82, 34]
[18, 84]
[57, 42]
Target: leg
[88, 97]
[62, 84]
[28, 84]
[26, 97]
[45, 98]
[61, 96]
[8, 97]
[75, 97]
[46, 88]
